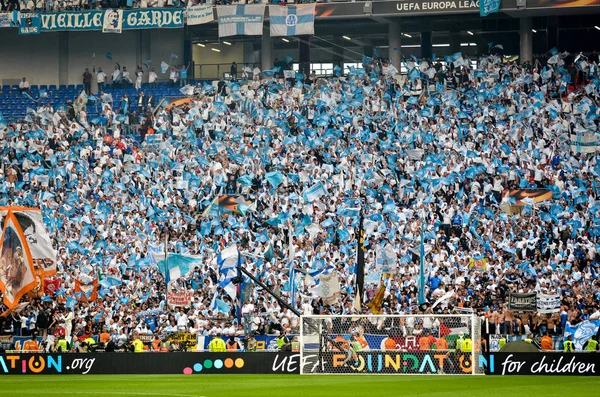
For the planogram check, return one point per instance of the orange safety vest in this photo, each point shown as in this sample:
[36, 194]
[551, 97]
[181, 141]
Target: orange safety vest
[546, 343]
[232, 348]
[390, 344]
[31, 345]
[441, 344]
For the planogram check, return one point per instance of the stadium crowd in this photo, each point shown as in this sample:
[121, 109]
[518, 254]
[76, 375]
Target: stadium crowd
[442, 145]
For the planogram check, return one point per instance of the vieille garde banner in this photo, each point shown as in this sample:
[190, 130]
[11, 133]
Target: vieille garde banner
[149, 18]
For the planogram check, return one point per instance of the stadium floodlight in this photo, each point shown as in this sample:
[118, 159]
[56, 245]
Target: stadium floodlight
[391, 344]
[347, 38]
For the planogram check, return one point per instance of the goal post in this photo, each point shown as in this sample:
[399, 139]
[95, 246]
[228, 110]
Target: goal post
[391, 344]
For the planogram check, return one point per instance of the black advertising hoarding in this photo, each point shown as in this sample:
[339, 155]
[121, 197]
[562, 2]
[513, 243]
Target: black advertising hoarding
[417, 7]
[577, 364]
[149, 363]
[522, 302]
[402, 8]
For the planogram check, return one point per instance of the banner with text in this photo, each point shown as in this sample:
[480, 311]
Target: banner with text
[29, 23]
[544, 364]
[150, 18]
[199, 15]
[522, 302]
[584, 143]
[149, 363]
[548, 303]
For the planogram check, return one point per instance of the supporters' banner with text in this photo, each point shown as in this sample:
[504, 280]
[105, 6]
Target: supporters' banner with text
[141, 18]
[199, 15]
[181, 299]
[292, 20]
[487, 7]
[113, 21]
[548, 303]
[29, 23]
[522, 302]
[246, 20]
[584, 143]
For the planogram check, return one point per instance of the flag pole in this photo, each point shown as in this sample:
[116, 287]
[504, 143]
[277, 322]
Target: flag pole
[421, 294]
[360, 261]
[167, 259]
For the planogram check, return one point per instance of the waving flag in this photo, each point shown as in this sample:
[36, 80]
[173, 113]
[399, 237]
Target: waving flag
[241, 20]
[229, 258]
[313, 193]
[582, 332]
[292, 20]
[16, 266]
[86, 292]
[487, 7]
[176, 265]
[275, 178]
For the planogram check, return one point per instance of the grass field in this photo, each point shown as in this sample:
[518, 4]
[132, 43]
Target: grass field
[294, 385]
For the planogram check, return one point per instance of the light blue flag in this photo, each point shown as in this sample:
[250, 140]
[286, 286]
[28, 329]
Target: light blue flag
[582, 332]
[177, 265]
[71, 302]
[164, 67]
[313, 193]
[275, 178]
[219, 306]
[269, 253]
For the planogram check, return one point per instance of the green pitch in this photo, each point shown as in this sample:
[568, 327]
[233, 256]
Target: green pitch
[294, 385]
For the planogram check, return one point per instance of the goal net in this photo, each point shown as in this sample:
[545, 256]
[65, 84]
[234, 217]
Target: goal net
[391, 344]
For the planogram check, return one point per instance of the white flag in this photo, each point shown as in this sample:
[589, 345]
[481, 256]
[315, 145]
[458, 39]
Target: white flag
[292, 20]
[246, 20]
